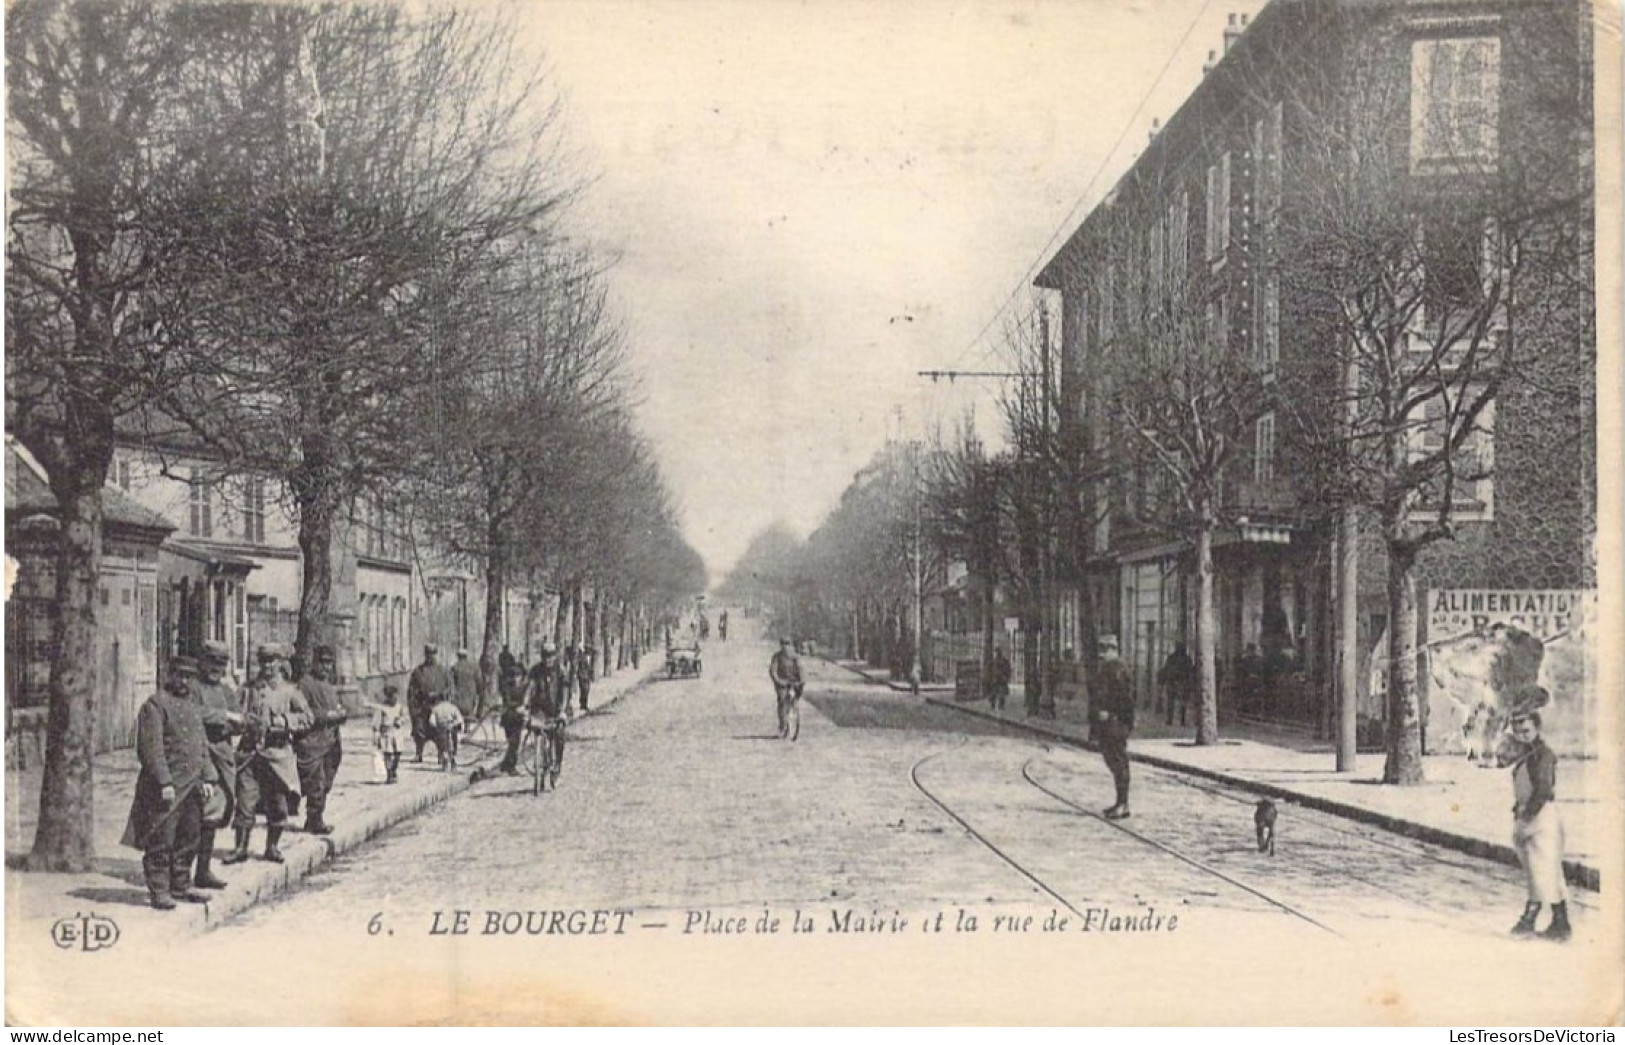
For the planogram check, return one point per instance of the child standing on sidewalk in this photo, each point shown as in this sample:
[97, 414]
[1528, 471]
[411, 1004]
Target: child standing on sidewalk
[1537, 833]
[388, 722]
[446, 721]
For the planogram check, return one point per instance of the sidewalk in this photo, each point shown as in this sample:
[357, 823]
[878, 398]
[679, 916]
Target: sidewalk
[358, 808]
[1461, 806]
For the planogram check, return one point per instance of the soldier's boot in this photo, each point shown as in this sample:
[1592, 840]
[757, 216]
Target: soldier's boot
[240, 853]
[205, 878]
[314, 822]
[1559, 930]
[273, 835]
[1526, 924]
[156, 873]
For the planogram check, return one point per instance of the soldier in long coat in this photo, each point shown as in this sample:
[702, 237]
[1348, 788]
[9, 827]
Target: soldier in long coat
[1111, 718]
[222, 725]
[318, 750]
[274, 712]
[176, 778]
[429, 685]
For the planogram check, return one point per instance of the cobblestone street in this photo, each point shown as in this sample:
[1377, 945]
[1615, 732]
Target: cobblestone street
[681, 823]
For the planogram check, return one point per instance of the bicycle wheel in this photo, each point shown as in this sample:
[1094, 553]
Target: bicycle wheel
[795, 718]
[538, 765]
[555, 755]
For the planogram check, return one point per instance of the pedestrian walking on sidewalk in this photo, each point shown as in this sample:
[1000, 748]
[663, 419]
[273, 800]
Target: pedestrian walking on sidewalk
[998, 682]
[176, 778]
[429, 685]
[1178, 681]
[274, 711]
[222, 725]
[319, 750]
[1537, 831]
[586, 671]
[446, 720]
[388, 728]
[1111, 718]
[465, 679]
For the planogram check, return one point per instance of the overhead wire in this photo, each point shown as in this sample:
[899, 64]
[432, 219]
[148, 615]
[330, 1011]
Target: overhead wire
[1066, 223]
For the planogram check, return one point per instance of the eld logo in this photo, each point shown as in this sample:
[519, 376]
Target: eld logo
[88, 932]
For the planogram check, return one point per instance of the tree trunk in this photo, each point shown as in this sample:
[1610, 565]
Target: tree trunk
[313, 496]
[1404, 763]
[64, 840]
[561, 615]
[1207, 722]
[496, 597]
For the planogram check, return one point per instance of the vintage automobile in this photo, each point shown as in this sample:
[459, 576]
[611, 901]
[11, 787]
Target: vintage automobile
[683, 661]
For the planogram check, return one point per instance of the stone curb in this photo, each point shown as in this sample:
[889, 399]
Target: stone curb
[302, 860]
[900, 687]
[1577, 873]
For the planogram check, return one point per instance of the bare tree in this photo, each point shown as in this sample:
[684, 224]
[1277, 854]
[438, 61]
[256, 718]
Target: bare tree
[1429, 245]
[1188, 397]
[86, 85]
[334, 234]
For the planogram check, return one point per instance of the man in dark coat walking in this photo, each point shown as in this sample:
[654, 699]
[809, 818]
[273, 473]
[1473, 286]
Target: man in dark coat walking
[222, 725]
[1178, 679]
[176, 778]
[319, 750]
[998, 683]
[429, 685]
[1111, 716]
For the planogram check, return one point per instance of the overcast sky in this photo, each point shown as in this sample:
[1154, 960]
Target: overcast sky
[813, 201]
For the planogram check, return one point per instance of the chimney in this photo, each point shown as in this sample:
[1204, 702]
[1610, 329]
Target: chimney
[1156, 126]
[1232, 31]
[1212, 60]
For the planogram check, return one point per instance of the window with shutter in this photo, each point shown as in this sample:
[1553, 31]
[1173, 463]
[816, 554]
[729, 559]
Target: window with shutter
[1264, 451]
[1455, 103]
[1471, 484]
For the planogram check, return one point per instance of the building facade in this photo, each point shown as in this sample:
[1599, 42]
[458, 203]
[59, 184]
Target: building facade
[1193, 252]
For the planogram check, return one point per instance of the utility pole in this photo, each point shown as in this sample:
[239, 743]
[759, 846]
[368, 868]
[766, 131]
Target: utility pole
[1047, 652]
[914, 671]
[1347, 657]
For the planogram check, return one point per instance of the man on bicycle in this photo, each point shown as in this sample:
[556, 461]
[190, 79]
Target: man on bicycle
[545, 704]
[785, 671]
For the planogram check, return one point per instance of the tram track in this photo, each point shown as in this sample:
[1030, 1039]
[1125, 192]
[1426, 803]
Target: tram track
[1003, 853]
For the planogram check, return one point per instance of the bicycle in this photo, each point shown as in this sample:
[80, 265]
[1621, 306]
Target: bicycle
[789, 712]
[545, 738]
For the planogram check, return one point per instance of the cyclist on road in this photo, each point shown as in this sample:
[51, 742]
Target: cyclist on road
[785, 671]
[545, 704]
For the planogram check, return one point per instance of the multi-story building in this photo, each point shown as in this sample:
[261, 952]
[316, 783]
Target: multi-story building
[1474, 96]
[232, 571]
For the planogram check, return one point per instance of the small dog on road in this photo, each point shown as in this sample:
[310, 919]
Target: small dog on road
[1264, 822]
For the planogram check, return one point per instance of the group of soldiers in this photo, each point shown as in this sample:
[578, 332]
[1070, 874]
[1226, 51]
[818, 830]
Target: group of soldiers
[212, 755]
